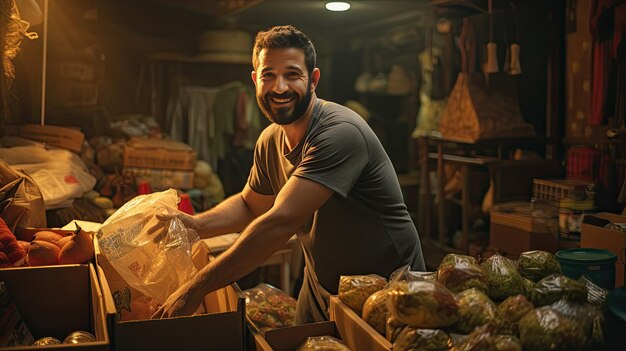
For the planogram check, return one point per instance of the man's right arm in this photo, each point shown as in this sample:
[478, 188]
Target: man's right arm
[233, 214]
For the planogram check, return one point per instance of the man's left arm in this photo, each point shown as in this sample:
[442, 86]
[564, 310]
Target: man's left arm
[296, 202]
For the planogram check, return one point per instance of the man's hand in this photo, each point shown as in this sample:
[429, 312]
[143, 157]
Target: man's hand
[158, 228]
[188, 220]
[183, 302]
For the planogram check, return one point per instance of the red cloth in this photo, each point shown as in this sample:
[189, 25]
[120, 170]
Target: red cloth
[601, 24]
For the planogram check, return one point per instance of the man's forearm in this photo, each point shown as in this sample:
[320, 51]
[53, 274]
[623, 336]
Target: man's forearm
[256, 244]
[229, 216]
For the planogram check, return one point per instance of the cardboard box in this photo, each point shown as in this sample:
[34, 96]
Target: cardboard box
[221, 327]
[512, 237]
[355, 332]
[290, 338]
[595, 235]
[163, 179]
[57, 300]
[162, 154]
[67, 138]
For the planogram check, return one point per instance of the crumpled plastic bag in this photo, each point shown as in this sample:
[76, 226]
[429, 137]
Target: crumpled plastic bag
[155, 263]
[509, 313]
[556, 287]
[269, 307]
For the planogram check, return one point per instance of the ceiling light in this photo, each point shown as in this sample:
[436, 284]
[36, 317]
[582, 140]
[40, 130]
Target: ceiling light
[337, 6]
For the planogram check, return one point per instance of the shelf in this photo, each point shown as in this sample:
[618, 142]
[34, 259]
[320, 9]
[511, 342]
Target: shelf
[207, 57]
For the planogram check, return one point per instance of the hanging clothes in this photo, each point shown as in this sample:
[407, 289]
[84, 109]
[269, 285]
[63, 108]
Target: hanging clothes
[601, 24]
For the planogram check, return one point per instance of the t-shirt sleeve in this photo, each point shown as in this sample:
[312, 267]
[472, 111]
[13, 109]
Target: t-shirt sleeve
[335, 158]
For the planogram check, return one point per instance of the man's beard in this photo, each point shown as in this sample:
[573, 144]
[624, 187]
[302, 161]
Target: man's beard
[282, 115]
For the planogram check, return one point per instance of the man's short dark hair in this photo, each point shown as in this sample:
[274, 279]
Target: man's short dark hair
[284, 37]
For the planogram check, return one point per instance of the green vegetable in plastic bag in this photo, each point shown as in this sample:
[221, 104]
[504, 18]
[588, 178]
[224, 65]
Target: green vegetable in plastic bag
[269, 307]
[508, 343]
[481, 339]
[412, 339]
[556, 287]
[529, 285]
[355, 289]
[536, 265]
[461, 272]
[546, 328]
[509, 313]
[503, 278]
[375, 310]
[422, 304]
[475, 309]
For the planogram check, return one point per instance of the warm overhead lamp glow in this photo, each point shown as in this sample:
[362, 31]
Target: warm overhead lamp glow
[337, 6]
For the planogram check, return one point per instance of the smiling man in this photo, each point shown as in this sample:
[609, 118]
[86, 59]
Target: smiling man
[320, 172]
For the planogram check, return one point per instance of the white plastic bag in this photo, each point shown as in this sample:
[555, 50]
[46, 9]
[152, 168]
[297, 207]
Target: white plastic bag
[155, 263]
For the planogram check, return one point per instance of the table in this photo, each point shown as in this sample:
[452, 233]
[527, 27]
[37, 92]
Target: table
[282, 257]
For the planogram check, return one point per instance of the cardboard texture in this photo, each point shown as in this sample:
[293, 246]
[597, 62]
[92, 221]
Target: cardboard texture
[290, 338]
[219, 327]
[57, 300]
[595, 235]
[67, 138]
[511, 241]
[163, 179]
[162, 154]
[355, 332]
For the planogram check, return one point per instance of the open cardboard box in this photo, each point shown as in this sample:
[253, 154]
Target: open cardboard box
[290, 338]
[355, 332]
[595, 235]
[57, 300]
[221, 327]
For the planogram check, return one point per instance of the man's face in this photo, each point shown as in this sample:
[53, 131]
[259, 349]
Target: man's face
[283, 84]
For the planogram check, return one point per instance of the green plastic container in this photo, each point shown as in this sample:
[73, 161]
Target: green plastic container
[597, 264]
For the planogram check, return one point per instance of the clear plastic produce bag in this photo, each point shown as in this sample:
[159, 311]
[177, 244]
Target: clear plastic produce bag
[152, 256]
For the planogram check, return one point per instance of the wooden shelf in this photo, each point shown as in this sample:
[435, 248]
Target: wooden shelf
[208, 57]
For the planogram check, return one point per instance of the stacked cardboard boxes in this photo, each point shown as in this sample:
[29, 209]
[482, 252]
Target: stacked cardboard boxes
[163, 164]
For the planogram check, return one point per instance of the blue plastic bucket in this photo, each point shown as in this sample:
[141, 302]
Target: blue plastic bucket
[597, 264]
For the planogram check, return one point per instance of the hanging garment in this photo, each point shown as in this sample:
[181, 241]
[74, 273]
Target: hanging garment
[601, 24]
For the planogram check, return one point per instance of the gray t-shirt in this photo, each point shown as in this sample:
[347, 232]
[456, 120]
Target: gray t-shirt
[364, 227]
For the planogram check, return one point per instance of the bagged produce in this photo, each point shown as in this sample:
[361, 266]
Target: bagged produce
[375, 310]
[556, 287]
[481, 339]
[423, 304]
[355, 289]
[509, 313]
[529, 285]
[503, 278]
[460, 272]
[508, 343]
[536, 265]
[323, 343]
[546, 328]
[393, 328]
[269, 307]
[411, 339]
[475, 309]
[588, 318]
